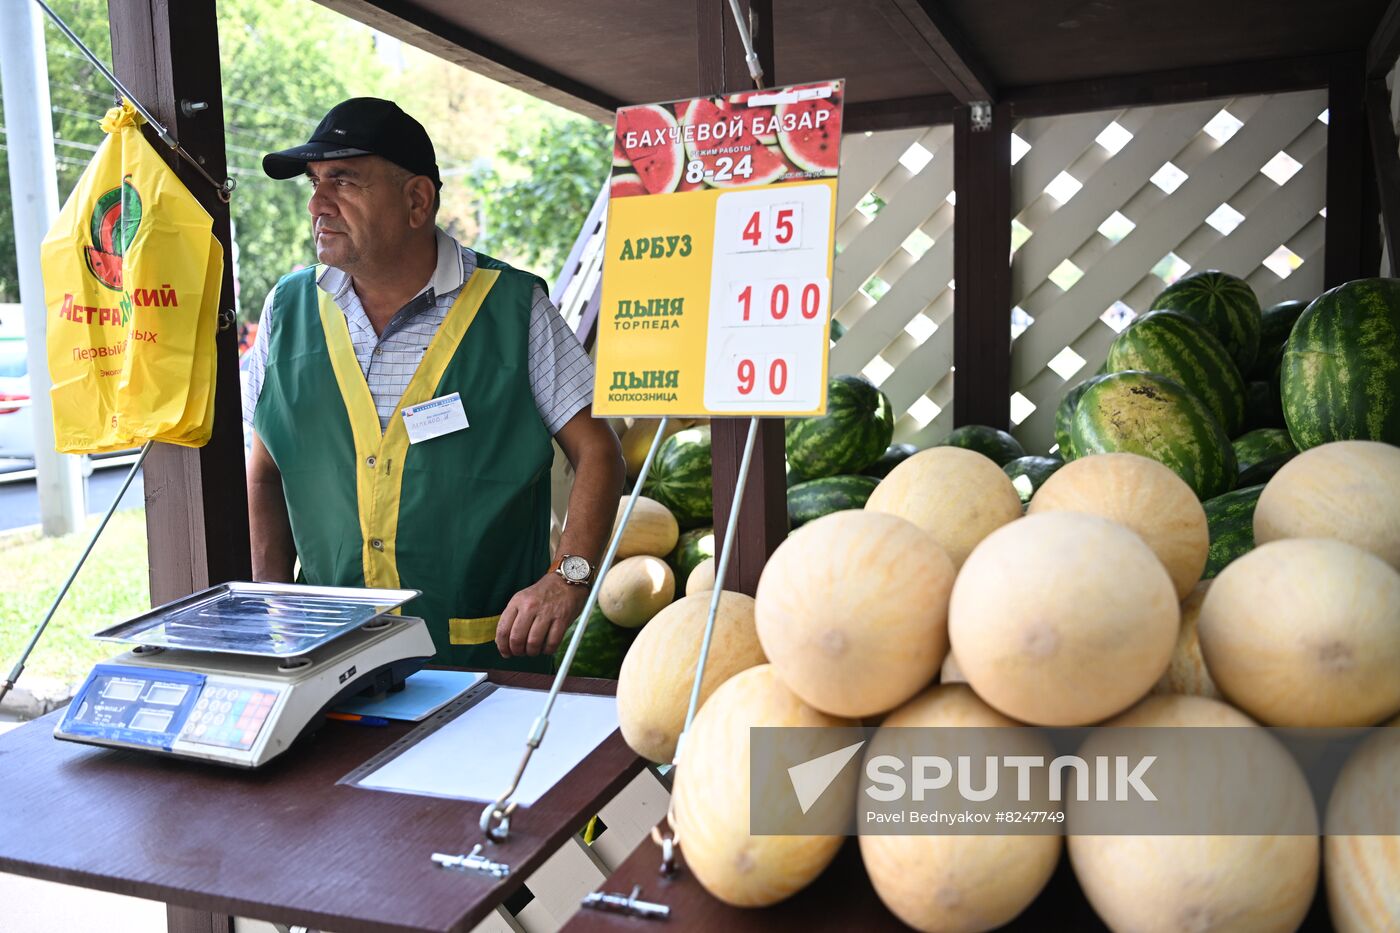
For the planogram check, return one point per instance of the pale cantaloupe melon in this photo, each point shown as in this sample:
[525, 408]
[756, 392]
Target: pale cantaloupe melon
[958, 496]
[712, 796]
[1306, 632]
[636, 589]
[654, 685]
[1187, 673]
[1363, 871]
[1143, 496]
[702, 578]
[652, 529]
[1344, 490]
[1175, 883]
[1063, 619]
[852, 611]
[949, 883]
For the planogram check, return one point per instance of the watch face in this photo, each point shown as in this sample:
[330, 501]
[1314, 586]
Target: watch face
[575, 568]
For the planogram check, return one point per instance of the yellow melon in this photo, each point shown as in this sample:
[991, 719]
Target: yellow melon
[636, 589]
[1141, 495]
[1344, 490]
[653, 687]
[1306, 632]
[652, 529]
[702, 578]
[852, 611]
[1187, 673]
[950, 883]
[958, 496]
[712, 796]
[1363, 871]
[1175, 883]
[636, 441]
[1063, 619]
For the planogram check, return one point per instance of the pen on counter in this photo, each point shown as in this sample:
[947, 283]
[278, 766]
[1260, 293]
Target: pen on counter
[356, 717]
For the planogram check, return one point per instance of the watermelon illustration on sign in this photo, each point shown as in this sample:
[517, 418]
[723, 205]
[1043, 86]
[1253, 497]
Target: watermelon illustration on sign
[763, 116]
[731, 161]
[814, 143]
[656, 154]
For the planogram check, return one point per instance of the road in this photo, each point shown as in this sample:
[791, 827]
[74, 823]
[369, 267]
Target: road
[19, 501]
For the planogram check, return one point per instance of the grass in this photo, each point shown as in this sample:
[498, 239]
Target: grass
[113, 585]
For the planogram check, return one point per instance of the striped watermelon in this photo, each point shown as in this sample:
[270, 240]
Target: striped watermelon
[1029, 473]
[1231, 521]
[1144, 413]
[1181, 348]
[818, 497]
[680, 476]
[1064, 414]
[1260, 454]
[602, 649]
[891, 458]
[853, 433]
[1341, 367]
[692, 549]
[1277, 324]
[1225, 304]
[992, 443]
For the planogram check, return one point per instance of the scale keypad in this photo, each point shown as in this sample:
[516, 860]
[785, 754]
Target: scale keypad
[228, 716]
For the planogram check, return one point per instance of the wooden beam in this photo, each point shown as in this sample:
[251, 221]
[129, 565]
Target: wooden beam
[418, 26]
[899, 114]
[939, 42]
[982, 270]
[763, 519]
[196, 500]
[1385, 156]
[1385, 43]
[1349, 221]
[1176, 86]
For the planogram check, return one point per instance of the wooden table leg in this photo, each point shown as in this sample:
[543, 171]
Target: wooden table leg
[185, 920]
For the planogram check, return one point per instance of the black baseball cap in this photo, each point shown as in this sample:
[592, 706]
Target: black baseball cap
[361, 126]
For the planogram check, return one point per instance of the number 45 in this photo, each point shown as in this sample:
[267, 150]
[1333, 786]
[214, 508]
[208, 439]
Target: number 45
[782, 224]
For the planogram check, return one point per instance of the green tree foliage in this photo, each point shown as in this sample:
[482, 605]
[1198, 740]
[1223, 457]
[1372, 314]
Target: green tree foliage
[532, 203]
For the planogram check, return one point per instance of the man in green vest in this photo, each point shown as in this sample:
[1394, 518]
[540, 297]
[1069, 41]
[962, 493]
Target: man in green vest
[402, 395]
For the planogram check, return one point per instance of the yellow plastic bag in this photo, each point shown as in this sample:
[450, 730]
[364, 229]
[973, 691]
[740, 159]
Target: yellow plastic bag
[131, 276]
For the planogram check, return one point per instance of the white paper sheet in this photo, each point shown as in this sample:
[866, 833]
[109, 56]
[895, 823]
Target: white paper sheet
[475, 755]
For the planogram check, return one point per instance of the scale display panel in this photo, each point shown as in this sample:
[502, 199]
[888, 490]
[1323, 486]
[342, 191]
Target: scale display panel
[257, 619]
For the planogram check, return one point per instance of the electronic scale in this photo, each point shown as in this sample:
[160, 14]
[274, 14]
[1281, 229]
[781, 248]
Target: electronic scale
[236, 673]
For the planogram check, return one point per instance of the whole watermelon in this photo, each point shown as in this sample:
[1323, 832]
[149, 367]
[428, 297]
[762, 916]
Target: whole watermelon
[692, 549]
[853, 433]
[1029, 473]
[1231, 521]
[1277, 324]
[993, 443]
[1064, 414]
[1341, 367]
[1181, 348]
[818, 497]
[1144, 413]
[1261, 453]
[680, 476]
[893, 456]
[601, 652]
[1262, 406]
[1225, 304]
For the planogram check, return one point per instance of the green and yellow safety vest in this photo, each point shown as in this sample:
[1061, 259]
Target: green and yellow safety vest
[463, 517]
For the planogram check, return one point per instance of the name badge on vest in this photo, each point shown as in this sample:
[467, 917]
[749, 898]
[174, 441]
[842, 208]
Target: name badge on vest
[434, 418]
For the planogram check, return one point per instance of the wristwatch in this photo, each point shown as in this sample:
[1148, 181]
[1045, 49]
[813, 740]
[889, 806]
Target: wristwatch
[574, 569]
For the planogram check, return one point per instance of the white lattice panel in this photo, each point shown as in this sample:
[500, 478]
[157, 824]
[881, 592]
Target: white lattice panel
[1110, 207]
[893, 271]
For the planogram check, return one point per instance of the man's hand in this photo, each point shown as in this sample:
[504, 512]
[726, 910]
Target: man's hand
[535, 618]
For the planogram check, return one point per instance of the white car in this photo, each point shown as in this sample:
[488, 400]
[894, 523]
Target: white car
[16, 424]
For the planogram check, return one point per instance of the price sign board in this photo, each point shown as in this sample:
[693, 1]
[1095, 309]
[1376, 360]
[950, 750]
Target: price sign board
[717, 278]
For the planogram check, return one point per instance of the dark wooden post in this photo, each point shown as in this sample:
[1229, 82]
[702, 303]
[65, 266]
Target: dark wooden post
[196, 500]
[763, 521]
[982, 267]
[1353, 237]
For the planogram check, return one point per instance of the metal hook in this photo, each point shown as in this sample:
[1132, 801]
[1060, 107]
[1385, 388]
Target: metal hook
[668, 850]
[227, 318]
[495, 822]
